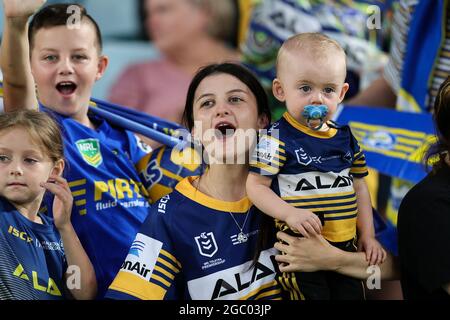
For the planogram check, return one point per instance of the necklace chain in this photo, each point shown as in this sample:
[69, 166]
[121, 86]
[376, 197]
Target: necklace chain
[241, 237]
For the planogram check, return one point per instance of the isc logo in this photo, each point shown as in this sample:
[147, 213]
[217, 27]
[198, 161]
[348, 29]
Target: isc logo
[21, 235]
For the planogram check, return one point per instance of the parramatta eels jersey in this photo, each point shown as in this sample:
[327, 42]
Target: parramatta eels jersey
[188, 248]
[313, 170]
[165, 166]
[110, 201]
[32, 259]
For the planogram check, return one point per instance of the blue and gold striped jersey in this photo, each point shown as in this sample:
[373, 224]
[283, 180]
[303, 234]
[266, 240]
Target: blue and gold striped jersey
[313, 170]
[110, 200]
[32, 259]
[189, 248]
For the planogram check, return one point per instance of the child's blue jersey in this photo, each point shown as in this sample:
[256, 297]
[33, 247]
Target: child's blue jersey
[313, 170]
[32, 260]
[110, 201]
[188, 248]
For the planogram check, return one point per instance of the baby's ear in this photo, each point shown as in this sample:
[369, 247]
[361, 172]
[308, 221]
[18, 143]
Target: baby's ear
[343, 92]
[277, 90]
[58, 168]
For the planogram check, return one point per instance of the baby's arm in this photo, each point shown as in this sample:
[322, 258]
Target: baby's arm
[301, 220]
[375, 254]
[75, 254]
[18, 82]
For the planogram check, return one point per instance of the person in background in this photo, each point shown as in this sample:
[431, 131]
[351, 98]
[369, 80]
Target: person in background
[424, 218]
[189, 34]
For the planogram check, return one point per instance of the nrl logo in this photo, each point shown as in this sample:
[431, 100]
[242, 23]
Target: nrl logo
[90, 151]
[206, 244]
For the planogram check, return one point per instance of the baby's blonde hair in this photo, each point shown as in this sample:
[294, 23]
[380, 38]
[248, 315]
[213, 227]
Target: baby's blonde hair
[312, 42]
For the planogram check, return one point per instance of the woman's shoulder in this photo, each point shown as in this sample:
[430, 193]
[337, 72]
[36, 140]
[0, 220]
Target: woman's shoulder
[432, 190]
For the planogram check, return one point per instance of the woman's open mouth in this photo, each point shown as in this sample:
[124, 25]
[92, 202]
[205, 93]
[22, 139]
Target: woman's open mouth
[224, 130]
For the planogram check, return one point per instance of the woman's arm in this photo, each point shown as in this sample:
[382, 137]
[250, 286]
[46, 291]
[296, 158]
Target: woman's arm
[315, 253]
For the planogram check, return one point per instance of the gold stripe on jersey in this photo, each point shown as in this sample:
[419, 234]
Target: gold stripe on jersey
[160, 279]
[169, 275]
[311, 203]
[80, 202]
[258, 292]
[170, 257]
[77, 183]
[186, 188]
[343, 194]
[79, 193]
[142, 289]
[268, 168]
[331, 132]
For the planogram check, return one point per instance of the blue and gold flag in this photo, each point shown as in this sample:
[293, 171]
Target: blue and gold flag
[394, 143]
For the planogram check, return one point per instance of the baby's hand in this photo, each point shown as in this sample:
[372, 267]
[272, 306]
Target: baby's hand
[375, 254]
[304, 222]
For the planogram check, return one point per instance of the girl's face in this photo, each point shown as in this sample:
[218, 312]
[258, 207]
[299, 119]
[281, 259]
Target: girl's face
[226, 118]
[23, 166]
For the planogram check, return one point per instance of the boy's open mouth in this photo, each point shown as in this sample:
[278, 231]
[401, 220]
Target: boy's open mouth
[66, 87]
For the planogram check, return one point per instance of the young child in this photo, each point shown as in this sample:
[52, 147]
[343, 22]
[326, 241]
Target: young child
[308, 173]
[34, 247]
[65, 47]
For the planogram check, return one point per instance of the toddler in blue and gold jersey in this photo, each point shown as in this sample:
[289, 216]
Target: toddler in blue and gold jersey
[307, 172]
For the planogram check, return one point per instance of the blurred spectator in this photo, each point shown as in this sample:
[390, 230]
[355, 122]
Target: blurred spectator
[418, 64]
[189, 34]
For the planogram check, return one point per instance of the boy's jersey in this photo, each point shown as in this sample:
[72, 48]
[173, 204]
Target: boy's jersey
[188, 248]
[32, 260]
[110, 201]
[313, 170]
[165, 166]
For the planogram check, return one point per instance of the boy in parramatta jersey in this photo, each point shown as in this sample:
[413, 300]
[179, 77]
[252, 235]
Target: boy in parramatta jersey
[307, 172]
[62, 60]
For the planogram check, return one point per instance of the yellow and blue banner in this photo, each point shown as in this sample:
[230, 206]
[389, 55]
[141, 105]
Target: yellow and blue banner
[395, 143]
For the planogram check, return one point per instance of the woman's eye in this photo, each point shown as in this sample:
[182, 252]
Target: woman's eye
[236, 99]
[3, 158]
[207, 103]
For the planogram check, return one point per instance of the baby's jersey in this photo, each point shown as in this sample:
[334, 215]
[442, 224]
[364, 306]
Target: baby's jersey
[313, 170]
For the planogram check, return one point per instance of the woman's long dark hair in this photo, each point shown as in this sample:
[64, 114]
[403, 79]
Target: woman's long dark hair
[441, 115]
[247, 77]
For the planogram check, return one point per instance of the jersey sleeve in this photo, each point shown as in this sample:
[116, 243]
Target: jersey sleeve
[359, 166]
[269, 155]
[151, 269]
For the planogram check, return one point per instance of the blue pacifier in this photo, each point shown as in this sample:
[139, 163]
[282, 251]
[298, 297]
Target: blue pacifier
[315, 112]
